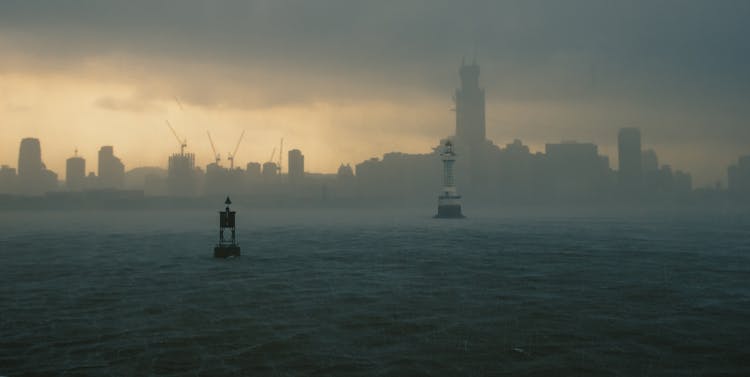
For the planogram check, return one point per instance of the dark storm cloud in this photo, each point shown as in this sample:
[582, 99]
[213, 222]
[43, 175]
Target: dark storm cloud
[680, 66]
[529, 49]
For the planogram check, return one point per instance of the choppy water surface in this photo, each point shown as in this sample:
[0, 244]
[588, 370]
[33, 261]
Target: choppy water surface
[373, 293]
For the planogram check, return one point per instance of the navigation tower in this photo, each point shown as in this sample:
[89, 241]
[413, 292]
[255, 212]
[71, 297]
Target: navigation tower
[449, 202]
[227, 247]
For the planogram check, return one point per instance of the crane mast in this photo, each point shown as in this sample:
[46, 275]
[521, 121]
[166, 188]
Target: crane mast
[217, 157]
[182, 142]
[234, 153]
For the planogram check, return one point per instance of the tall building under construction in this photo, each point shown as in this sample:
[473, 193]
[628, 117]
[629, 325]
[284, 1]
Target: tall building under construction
[182, 178]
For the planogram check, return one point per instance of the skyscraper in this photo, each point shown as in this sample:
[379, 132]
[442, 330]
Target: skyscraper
[470, 140]
[29, 159]
[33, 177]
[630, 158]
[469, 99]
[252, 170]
[75, 173]
[181, 175]
[111, 169]
[296, 165]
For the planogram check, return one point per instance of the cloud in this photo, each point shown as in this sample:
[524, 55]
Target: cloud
[137, 105]
[579, 69]
[530, 50]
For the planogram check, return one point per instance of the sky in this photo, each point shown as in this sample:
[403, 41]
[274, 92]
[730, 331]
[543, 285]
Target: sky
[344, 81]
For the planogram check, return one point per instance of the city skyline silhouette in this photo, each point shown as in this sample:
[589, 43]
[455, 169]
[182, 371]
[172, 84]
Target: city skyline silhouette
[352, 82]
[567, 171]
[408, 188]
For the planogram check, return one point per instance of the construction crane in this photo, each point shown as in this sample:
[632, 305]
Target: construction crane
[281, 153]
[179, 103]
[270, 159]
[217, 157]
[182, 142]
[231, 155]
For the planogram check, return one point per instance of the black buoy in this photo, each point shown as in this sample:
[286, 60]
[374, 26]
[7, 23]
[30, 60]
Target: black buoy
[227, 247]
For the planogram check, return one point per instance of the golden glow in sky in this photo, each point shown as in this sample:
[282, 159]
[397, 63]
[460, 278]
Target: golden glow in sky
[68, 112]
[347, 81]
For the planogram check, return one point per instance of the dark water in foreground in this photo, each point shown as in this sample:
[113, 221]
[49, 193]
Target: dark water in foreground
[383, 293]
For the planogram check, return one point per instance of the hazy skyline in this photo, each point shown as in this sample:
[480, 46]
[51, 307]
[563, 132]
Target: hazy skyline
[346, 81]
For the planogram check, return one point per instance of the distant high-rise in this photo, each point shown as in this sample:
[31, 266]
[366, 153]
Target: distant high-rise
[469, 100]
[91, 180]
[470, 139]
[111, 169]
[253, 170]
[270, 170]
[739, 176]
[33, 177]
[181, 175]
[576, 169]
[30, 159]
[296, 165]
[650, 162]
[75, 173]
[630, 158]
[7, 179]
[217, 180]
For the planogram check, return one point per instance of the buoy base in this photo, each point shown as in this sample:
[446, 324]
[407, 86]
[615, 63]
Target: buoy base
[226, 251]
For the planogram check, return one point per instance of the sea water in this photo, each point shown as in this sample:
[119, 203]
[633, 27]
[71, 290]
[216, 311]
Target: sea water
[386, 293]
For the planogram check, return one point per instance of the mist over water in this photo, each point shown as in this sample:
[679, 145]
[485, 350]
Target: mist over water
[599, 150]
[388, 292]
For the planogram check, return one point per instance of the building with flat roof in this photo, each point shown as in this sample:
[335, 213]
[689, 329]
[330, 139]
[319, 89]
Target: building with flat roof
[75, 173]
[33, 176]
[630, 159]
[296, 165]
[111, 169]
